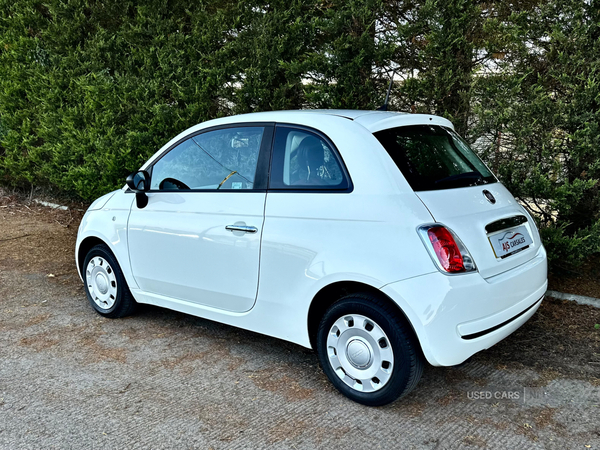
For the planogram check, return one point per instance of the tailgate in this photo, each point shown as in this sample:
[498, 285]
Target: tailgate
[468, 212]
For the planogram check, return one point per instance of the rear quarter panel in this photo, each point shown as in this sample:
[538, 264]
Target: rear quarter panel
[313, 239]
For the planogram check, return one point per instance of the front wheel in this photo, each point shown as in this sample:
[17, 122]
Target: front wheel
[105, 285]
[368, 351]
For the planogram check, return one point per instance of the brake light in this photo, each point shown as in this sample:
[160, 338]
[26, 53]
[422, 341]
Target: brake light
[446, 250]
[451, 254]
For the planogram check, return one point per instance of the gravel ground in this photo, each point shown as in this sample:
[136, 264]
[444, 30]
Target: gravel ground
[160, 379]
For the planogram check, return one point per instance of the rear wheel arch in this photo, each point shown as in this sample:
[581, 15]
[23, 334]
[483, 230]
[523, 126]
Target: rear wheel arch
[332, 293]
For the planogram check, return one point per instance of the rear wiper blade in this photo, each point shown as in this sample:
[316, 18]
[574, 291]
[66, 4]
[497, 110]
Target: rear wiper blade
[473, 179]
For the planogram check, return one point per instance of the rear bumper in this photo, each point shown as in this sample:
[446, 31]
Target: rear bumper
[456, 317]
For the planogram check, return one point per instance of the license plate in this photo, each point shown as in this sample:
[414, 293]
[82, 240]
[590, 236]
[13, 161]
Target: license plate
[509, 242]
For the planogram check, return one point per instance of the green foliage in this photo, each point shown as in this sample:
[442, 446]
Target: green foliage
[342, 69]
[89, 89]
[521, 81]
[537, 119]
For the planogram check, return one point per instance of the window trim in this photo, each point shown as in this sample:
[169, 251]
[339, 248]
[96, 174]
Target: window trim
[262, 165]
[309, 189]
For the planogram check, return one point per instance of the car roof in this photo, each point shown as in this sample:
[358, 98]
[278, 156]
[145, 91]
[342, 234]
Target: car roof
[372, 120]
[351, 114]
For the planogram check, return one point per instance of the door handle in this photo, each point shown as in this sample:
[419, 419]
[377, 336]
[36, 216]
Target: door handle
[244, 228]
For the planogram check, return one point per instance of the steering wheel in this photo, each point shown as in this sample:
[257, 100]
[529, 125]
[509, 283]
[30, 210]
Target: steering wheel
[171, 184]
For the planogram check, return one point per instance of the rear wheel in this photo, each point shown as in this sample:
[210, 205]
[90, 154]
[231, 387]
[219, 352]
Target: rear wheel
[105, 284]
[367, 350]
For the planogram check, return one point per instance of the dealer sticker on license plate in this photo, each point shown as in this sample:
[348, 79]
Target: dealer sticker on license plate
[509, 242]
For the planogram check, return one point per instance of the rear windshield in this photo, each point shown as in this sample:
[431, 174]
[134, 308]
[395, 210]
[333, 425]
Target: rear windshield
[432, 157]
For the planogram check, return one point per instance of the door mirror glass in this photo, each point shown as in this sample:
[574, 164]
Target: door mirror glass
[139, 181]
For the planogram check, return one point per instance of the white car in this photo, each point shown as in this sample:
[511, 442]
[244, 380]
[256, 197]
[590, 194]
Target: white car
[378, 239]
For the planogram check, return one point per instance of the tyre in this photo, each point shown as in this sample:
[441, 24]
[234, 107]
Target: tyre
[105, 284]
[368, 351]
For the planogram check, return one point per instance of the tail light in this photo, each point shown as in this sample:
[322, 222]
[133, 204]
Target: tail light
[446, 249]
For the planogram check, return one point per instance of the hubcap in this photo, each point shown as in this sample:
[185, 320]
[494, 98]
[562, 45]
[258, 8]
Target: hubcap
[101, 282]
[360, 353]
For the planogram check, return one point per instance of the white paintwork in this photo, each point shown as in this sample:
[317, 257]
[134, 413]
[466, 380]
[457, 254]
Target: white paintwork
[177, 253]
[379, 120]
[109, 224]
[467, 212]
[467, 304]
[179, 247]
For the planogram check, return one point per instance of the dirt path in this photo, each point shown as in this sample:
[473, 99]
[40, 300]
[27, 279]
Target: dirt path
[72, 379]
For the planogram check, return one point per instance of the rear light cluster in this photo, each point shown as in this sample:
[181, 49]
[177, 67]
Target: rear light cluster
[446, 249]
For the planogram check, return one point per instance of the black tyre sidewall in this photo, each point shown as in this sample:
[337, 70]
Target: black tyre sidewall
[401, 341]
[122, 290]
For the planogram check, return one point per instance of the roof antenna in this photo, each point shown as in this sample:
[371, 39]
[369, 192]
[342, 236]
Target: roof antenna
[384, 107]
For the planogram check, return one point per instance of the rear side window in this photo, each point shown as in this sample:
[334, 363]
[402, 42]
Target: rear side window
[303, 160]
[432, 157]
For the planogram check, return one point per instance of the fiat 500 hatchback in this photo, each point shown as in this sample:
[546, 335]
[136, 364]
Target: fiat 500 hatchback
[378, 239]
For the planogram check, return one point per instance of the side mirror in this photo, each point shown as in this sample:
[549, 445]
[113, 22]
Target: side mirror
[139, 182]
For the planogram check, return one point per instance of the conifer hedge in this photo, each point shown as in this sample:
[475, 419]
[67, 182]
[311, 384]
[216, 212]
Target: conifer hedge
[89, 89]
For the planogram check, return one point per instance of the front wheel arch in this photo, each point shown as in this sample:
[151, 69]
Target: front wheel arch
[86, 245]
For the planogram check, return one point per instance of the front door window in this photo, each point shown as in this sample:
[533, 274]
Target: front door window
[216, 160]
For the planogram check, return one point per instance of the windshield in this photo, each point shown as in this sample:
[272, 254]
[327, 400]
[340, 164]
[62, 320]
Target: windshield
[432, 157]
